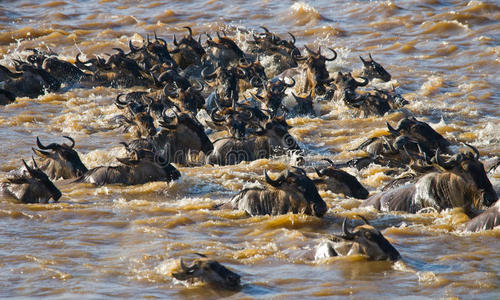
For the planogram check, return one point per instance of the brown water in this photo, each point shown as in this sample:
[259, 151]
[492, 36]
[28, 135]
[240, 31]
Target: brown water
[117, 241]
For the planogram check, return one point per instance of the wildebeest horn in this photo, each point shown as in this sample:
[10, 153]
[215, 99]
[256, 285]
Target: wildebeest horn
[30, 170]
[293, 38]
[71, 140]
[168, 93]
[49, 147]
[215, 118]
[184, 267]
[364, 83]
[310, 51]
[132, 47]
[289, 84]
[370, 55]
[364, 219]
[296, 55]
[334, 55]
[277, 182]
[447, 165]
[200, 86]
[476, 156]
[364, 61]
[265, 29]
[190, 31]
[329, 161]
[391, 129]
[175, 41]
[346, 232]
[209, 76]
[120, 104]
[319, 172]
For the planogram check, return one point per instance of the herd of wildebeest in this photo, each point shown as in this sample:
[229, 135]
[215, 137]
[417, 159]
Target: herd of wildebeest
[196, 89]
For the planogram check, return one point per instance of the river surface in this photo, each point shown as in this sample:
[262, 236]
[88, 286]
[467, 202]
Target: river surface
[124, 242]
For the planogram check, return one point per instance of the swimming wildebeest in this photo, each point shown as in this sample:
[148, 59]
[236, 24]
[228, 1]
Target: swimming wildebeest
[487, 220]
[462, 183]
[60, 161]
[338, 181]
[209, 271]
[34, 187]
[292, 192]
[364, 239]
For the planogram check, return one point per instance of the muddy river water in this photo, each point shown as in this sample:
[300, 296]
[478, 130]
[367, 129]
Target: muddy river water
[124, 241]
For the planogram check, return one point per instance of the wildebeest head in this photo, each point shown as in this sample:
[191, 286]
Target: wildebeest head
[346, 82]
[297, 182]
[421, 132]
[189, 51]
[39, 187]
[61, 161]
[209, 271]
[317, 74]
[372, 69]
[339, 181]
[304, 104]
[145, 165]
[62, 70]
[277, 131]
[365, 240]
[472, 170]
[234, 121]
[189, 129]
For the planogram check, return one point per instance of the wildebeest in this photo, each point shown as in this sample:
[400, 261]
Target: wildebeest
[316, 73]
[487, 220]
[364, 239]
[61, 161]
[463, 183]
[209, 271]
[292, 192]
[338, 181]
[271, 139]
[143, 166]
[372, 69]
[34, 187]
[179, 137]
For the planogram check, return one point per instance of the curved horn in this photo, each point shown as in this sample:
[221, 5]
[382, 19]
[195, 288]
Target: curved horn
[71, 140]
[275, 183]
[310, 51]
[175, 41]
[334, 55]
[319, 172]
[293, 38]
[30, 170]
[364, 219]
[346, 232]
[265, 29]
[184, 267]
[209, 76]
[49, 147]
[364, 61]
[447, 165]
[364, 83]
[215, 118]
[132, 47]
[190, 31]
[476, 156]
[329, 161]
[120, 104]
[289, 84]
[391, 129]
